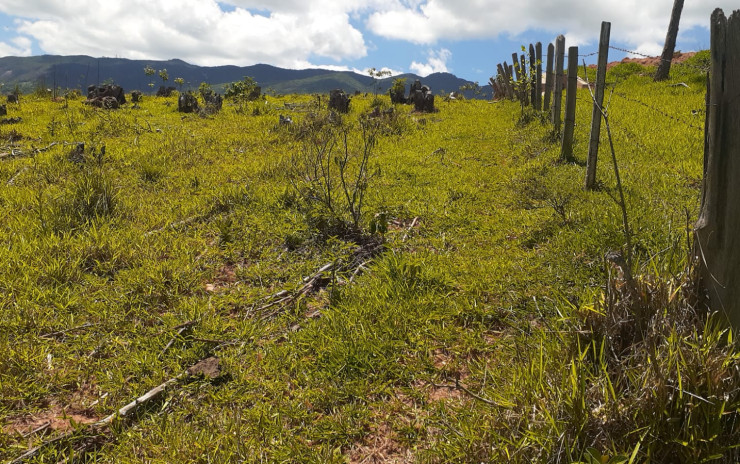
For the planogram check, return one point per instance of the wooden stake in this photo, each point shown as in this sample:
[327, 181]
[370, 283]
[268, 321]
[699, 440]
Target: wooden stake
[566, 151]
[558, 88]
[593, 146]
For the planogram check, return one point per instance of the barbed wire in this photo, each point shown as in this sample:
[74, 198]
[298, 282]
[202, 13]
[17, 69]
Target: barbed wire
[633, 52]
[658, 110]
[635, 138]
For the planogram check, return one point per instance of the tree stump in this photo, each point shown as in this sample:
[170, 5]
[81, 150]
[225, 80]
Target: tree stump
[96, 93]
[136, 96]
[187, 103]
[339, 101]
[165, 91]
[214, 102]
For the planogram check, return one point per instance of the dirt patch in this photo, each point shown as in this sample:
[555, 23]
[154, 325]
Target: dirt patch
[225, 277]
[56, 419]
[379, 446]
[209, 368]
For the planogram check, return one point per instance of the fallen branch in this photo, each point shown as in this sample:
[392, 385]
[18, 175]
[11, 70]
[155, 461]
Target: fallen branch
[308, 285]
[461, 387]
[15, 176]
[180, 330]
[41, 150]
[172, 225]
[411, 227]
[66, 331]
[127, 410]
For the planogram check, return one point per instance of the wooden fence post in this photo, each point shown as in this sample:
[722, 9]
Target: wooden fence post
[566, 151]
[716, 238]
[518, 73]
[538, 76]
[549, 77]
[593, 145]
[532, 75]
[525, 79]
[509, 81]
[557, 97]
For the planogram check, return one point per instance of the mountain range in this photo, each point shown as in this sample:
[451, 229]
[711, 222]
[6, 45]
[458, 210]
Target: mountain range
[69, 72]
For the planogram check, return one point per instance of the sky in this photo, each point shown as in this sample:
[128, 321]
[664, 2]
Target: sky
[465, 37]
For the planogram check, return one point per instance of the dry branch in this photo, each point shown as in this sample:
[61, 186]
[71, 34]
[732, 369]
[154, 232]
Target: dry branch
[411, 227]
[96, 428]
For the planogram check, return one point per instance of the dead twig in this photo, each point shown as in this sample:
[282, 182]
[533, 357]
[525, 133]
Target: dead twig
[61, 333]
[184, 222]
[411, 227]
[180, 330]
[38, 429]
[463, 388]
[17, 174]
[96, 429]
[308, 285]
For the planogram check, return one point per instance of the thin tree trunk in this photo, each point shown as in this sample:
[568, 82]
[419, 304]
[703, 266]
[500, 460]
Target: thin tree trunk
[664, 67]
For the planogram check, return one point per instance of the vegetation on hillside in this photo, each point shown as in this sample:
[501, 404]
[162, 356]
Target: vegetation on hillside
[406, 288]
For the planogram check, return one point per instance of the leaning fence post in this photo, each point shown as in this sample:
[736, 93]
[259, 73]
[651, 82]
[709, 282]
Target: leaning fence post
[557, 97]
[566, 152]
[549, 78]
[593, 145]
[716, 238]
[538, 76]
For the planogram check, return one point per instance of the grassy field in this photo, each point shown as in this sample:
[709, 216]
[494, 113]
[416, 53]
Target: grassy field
[465, 311]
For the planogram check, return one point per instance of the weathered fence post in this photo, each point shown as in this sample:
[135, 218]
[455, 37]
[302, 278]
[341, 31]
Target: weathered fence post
[549, 77]
[664, 67]
[566, 151]
[509, 81]
[518, 73]
[717, 240]
[532, 76]
[593, 145]
[557, 97]
[500, 80]
[538, 76]
[525, 79]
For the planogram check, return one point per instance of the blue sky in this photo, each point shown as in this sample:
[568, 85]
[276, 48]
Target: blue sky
[466, 38]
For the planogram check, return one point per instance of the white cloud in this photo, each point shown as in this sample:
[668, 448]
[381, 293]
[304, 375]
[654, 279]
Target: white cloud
[639, 23]
[296, 33]
[287, 35]
[436, 62]
[19, 46]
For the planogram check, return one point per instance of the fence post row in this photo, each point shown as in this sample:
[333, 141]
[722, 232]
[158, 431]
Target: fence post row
[593, 146]
[549, 77]
[716, 238]
[566, 152]
[558, 92]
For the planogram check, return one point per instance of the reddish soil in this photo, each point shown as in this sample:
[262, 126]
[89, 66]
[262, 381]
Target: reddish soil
[56, 419]
[678, 57]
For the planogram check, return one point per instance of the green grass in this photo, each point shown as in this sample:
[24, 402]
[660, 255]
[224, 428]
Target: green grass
[500, 287]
